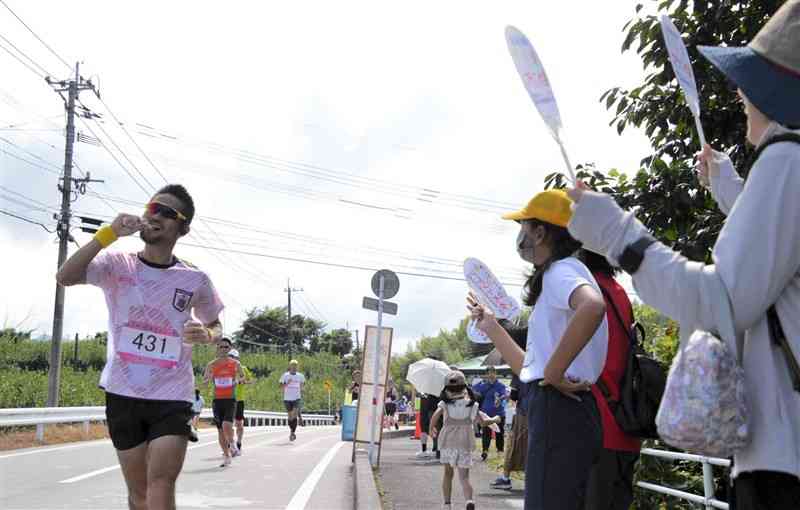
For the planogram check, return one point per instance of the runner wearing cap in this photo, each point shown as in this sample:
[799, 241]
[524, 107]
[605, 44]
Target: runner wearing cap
[158, 306]
[226, 373]
[292, 383]
[239, 392]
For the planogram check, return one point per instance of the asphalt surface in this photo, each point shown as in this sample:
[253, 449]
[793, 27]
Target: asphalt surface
[314, 472]
[411, 484]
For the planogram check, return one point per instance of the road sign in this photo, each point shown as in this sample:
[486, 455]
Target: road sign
[391, 284]
[372, 304]
[328, 385]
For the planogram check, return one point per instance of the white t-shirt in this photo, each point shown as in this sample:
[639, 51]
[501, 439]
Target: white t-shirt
[458, 409]
[293, 386]
[550, 318]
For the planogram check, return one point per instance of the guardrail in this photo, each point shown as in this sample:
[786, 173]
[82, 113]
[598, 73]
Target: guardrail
[41, 416]
[707, 499]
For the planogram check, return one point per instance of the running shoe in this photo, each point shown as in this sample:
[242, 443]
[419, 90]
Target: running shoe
[226, 462]
[292, 436]
[193, 434]
[483, 456]
[423, 455]
[470, 505]
[501, 483]
[235, 451]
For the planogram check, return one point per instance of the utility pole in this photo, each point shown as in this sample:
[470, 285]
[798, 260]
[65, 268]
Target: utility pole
[73, 88]
[76, 349]
[289, 291]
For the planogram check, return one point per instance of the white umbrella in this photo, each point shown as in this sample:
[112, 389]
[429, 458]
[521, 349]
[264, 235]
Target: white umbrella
[427, 375]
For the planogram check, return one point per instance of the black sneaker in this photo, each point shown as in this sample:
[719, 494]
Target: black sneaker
[470, 505]
[483, 456]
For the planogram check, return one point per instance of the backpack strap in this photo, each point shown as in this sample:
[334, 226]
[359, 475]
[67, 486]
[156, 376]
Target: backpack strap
[785, 137]
[775, 327]
[600, 384]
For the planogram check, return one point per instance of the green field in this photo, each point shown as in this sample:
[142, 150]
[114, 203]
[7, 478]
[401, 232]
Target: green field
[24, 366]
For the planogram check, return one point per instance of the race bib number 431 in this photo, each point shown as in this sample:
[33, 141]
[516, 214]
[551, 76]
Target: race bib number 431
[148, 348]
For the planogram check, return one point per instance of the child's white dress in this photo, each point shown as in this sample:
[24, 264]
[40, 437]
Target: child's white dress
[457, 439]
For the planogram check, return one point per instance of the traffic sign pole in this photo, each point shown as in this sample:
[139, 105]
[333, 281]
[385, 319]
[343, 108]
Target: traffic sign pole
[373, 454]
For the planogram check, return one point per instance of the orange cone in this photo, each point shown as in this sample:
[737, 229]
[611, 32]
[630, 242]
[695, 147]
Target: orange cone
[418, 428]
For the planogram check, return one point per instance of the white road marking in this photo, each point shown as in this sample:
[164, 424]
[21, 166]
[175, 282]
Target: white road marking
[303, 494]
[116, 466]
[81, 444]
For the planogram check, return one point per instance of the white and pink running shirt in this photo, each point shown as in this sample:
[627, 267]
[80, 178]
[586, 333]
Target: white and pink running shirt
[147, 307]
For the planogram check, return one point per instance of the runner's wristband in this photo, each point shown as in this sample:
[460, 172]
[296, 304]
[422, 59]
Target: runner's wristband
[105, 235]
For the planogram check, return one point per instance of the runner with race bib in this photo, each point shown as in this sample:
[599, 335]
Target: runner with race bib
[226, 372]
[292, 383]
[153, 298]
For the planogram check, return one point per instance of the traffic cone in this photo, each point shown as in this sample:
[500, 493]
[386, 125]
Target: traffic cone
[418, 428]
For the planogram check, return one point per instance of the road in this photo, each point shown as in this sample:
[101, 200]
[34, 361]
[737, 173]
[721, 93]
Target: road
[314, 472]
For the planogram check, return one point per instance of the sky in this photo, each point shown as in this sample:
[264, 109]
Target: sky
[373, 135]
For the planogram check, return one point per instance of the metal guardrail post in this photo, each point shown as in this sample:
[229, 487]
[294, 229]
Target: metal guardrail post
[40, 432]
[86, 429]
[708, 484]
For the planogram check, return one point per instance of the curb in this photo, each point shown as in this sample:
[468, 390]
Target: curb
[364, 488]
[403, 432]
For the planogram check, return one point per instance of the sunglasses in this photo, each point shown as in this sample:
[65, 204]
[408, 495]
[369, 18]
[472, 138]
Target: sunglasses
[456, 387]
[164, 211]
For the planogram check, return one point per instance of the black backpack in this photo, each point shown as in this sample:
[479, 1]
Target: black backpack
[641, 387]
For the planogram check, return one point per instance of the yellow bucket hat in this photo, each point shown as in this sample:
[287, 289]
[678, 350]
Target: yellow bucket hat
[552, 206]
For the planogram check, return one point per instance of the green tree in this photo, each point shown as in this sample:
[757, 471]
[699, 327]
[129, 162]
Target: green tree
[268, 327]
[665, 192]
[337, 341]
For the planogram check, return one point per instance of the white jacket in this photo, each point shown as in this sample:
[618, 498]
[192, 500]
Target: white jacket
[756, 258]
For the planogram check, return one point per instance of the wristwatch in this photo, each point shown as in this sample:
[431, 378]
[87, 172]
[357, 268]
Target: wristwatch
[633, 255]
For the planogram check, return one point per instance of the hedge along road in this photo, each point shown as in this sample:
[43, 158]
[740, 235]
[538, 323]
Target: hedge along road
[310, 473]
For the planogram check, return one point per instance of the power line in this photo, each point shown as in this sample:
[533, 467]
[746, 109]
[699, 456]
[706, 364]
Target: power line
[30, 162]
[344, 266]
[407, 259]
[86, 124]
[28, 220]
[25, 55]
[31, 69]
[99, 125]
[36, 36]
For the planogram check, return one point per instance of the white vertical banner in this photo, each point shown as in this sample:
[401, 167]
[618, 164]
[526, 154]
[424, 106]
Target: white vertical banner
[365, 402]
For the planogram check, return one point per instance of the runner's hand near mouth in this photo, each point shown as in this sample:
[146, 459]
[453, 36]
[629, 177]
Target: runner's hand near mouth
[126, 224]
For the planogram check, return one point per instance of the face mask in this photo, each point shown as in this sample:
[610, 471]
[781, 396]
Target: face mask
[525, 248]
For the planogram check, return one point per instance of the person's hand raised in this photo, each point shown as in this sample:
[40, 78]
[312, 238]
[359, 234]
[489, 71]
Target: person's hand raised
[126, 224]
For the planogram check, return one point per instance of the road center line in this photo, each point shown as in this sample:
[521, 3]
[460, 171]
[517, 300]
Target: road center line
[303, 494]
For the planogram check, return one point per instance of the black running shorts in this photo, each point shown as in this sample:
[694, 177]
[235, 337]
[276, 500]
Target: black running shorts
[133, 421]
[239, 410]
[224, 410]
[292, 404]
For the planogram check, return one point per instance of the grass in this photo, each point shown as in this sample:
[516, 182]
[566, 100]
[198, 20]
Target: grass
[14, 438]
[495, 462]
